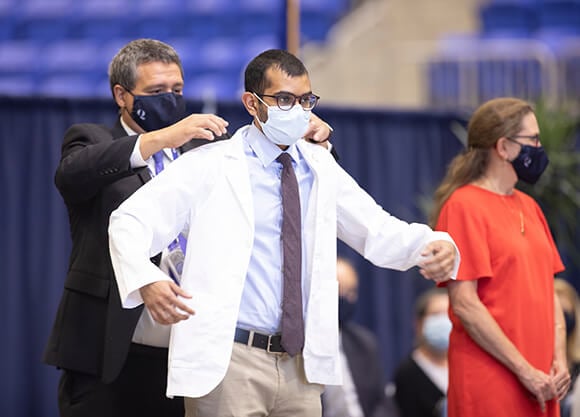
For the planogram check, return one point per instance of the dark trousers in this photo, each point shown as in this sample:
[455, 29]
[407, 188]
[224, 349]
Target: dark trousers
[138, 391]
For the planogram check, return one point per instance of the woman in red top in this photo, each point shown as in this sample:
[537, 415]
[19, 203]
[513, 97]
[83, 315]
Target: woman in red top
[507, 354]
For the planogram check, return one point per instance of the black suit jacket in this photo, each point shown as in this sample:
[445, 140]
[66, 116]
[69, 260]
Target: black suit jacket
[362, 353]
[416, 395]
[92, 332]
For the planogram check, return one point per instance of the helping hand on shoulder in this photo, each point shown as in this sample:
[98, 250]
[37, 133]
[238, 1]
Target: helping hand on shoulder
[440, 260]
[318, 131]
[198, 126]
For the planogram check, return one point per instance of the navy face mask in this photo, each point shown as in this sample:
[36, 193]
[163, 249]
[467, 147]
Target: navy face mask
[157, 111]
[530, 163]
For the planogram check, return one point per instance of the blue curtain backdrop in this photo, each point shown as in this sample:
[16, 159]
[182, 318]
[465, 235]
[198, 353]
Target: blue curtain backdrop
[397, 156]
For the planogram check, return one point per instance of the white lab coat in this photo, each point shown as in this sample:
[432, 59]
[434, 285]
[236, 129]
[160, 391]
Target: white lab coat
[209, 189]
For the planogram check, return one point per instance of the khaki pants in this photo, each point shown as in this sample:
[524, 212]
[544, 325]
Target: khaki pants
[259, 384]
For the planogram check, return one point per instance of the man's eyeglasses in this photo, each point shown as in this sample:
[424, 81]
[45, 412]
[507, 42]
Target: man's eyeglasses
[286, 101]
[535, 138]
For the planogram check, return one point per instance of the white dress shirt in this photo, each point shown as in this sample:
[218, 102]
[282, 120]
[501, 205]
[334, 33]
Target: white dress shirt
[148, 331]
[260, 308]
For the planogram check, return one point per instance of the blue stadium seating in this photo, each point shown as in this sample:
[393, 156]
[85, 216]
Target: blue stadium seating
[261, 18]
[146, 8]
[67, 86]
[7, 20]
[17, 85]
[510, 19]
[44, 20]
[212, 18]
[46, 42]
[253, 46]
[215, 86]
[157, 27]
[72, 55]
[220, 54]
[103, 19]
[19, 57]
[188, 50]
[562, 16]
[318, 16]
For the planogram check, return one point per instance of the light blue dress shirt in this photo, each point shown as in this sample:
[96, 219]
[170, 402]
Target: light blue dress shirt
[260, 309]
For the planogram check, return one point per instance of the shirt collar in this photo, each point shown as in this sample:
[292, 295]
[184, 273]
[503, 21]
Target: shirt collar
[129, 131]
[167, 151]
[266, 150]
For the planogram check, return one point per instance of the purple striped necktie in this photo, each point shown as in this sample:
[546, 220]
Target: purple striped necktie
[292, 323]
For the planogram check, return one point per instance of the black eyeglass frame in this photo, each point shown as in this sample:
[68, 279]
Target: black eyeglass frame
[535, 138]
[308, 98]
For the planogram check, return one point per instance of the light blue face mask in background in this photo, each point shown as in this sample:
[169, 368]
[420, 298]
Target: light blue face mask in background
[436, 330]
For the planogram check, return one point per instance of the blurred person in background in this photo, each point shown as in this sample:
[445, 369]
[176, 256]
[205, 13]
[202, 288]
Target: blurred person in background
[114, 360]
[507, 349]
[421, 379]
[362, 392]
[570, 303]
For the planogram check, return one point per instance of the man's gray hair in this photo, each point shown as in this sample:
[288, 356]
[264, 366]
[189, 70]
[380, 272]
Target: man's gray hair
[123, 67]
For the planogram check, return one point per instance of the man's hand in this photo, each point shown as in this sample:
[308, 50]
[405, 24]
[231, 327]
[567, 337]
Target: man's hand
[439, 260]
[194, 126]
[318, 131]
[161, 298]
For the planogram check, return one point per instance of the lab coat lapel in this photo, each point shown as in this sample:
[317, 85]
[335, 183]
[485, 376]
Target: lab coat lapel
[238, 177]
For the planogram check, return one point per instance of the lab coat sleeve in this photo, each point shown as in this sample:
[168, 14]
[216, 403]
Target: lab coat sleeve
[381, 238]
[148, 221]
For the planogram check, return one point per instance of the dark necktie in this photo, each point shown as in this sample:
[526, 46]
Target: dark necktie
[292, 323]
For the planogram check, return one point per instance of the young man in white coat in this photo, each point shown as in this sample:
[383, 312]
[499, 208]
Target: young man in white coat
[229, 352]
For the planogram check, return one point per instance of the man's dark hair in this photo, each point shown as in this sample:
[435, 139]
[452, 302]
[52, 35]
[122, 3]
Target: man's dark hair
[255, 80]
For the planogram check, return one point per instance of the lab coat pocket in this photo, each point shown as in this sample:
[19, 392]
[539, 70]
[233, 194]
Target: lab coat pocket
[204, 341]
[322, 322]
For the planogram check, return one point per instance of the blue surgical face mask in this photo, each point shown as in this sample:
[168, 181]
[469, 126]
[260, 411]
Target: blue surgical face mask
[285, 127]
[530, 163]
[157, 111]
[436, 330]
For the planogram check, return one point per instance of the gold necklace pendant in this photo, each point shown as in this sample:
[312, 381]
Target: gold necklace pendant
[522, 224]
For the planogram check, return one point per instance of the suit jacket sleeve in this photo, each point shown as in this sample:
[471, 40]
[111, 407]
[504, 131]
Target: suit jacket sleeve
[416, 395]
[364, 362]
[92, 157]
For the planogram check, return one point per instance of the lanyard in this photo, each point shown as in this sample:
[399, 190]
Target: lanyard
[158, 158]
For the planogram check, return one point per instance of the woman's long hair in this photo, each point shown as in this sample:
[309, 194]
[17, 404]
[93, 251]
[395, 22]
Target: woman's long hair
[497, 118]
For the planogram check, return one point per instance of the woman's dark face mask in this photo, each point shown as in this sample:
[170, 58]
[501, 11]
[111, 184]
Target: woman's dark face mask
[530, 163]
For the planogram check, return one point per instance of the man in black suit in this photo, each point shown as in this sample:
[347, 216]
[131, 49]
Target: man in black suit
[363, 391]
[114, 360]
[104, 372]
